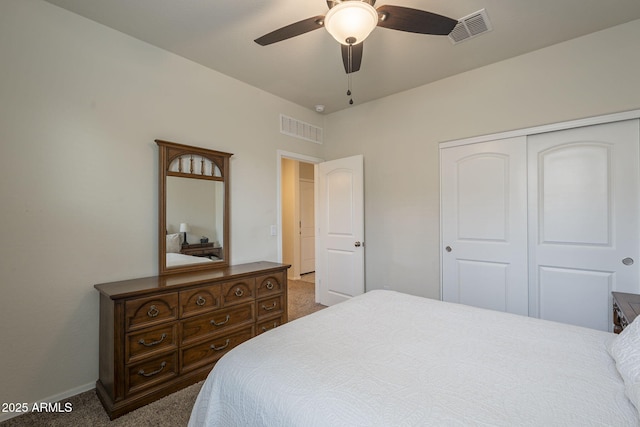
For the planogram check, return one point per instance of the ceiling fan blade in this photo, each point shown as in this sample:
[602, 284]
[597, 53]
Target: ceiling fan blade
[414, 20]
[351, 62]
[292, 30]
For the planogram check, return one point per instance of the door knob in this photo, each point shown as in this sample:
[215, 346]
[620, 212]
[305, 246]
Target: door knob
[357, 244]
[627, 261]
[448, 249]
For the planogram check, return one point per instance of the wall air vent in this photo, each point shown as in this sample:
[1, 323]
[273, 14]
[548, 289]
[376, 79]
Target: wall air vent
[470, 26]
[299, 129]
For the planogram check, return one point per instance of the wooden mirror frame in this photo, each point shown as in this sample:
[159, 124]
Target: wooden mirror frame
[168, 152]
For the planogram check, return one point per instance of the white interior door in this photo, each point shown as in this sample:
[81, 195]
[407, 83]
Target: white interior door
[340, 234]
[583, 221]
[484, 225]
[307, 227]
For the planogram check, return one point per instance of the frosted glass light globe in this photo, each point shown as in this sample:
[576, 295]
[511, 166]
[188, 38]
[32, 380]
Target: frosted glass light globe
[352, 19]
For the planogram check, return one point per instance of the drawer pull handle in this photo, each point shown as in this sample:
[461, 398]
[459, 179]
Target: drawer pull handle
[213, 322]
[269, 285]
[275, 325]
[271, 307]
[239, 292]
[150, 374]
[153, 311]
[201, 301]
[226, 344]
[151, 344]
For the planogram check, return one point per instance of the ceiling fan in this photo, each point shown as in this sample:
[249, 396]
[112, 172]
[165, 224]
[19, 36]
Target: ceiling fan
[351, 21]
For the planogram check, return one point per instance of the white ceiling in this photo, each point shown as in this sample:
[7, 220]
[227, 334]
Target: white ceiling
[308, 69]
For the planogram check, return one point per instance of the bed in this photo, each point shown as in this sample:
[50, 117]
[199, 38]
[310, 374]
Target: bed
[176, 259]
[390, 359]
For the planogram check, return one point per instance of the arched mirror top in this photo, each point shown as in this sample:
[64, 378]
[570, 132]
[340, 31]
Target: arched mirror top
[193, 208]
[190, 165]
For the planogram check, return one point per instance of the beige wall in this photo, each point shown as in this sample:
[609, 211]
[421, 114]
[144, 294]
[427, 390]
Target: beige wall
[80, 107]
[399, 137]
[289, 200]
[306, 171]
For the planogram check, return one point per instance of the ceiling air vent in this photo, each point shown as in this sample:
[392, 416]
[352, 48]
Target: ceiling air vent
[470, 26]
[298, 129]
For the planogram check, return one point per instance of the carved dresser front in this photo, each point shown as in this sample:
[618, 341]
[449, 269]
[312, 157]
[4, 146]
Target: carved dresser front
[160, 334]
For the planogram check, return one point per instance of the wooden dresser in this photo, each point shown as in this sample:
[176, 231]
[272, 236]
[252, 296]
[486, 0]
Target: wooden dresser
[201, 249]
[626, 308]
[160, 334]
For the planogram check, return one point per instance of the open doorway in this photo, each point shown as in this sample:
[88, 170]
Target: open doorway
[296, 222]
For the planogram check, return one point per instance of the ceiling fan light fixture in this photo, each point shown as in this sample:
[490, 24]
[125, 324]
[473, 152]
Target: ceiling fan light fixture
[351, 20]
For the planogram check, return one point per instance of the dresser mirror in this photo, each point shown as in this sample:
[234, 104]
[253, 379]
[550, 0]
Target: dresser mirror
[193, 208]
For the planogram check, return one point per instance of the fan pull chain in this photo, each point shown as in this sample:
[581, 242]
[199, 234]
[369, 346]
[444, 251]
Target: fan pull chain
[350, 66]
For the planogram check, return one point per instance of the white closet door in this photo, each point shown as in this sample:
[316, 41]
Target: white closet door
[583, 221]
[484, 226]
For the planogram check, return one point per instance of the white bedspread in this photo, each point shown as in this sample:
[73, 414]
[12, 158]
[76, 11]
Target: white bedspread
[176, 259]
[390, 359]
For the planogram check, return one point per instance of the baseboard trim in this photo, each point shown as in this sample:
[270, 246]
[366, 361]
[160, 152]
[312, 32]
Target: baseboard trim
[55, 398]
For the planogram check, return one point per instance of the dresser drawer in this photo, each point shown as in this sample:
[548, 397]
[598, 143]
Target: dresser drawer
[217, 322]
[238, 292]
[143, 312]
[199, 300]
[270, 306]
[210, 351]
[151, 372]
[266, 325]
[149, 341]
[270, 284]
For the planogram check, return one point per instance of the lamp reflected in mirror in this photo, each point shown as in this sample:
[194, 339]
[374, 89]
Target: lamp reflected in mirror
[184, 228]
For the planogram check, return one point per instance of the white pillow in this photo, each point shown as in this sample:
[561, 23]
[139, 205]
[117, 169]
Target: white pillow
[174, 243]
[625, 350]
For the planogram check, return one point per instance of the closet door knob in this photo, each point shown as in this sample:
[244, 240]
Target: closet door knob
[627, 261]
[448, 249]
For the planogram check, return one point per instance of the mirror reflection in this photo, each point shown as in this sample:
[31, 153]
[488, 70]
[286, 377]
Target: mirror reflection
[194, 221]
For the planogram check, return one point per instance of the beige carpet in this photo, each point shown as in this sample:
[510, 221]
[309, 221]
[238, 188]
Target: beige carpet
[302, 299]
[173, 410]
